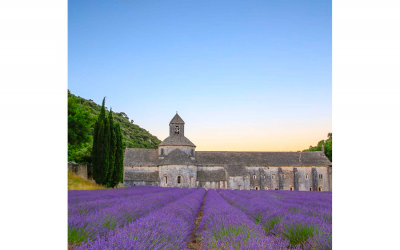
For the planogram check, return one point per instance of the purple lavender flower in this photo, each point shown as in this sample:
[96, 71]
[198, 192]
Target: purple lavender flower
[167, 228]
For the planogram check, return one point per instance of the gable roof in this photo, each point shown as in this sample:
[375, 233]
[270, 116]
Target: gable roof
[311, 158]
[177, 119]
[232, 160]
[177, 140]
[140, 156]
[176, 157]
[211, 175]
[141, 176]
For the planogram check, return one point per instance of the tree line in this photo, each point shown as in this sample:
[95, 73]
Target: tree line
[327, 145]
[108, 150]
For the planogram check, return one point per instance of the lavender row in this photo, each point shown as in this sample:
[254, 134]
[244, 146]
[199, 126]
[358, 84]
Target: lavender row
[81, 196]
[226, 227]
[167, 228]
[98, 223]
[308, 203]
[302, 198]
[101, 203]
[299, 224]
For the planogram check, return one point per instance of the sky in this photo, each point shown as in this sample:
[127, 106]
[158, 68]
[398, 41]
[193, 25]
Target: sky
[244, 75]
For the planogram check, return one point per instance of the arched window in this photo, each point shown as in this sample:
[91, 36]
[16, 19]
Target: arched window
[273, 176]
[306, 176]
[176, 129]
[162, 151]
[165, 180]
[266, 187]
[254, 177]
[179, 179]
[240, 187]
[191, 179]
[257, 188]
[319, 188]
[283, 176]
[310, 188]
[291, 188]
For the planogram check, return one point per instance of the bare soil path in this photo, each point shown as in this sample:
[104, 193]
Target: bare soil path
[195, 241]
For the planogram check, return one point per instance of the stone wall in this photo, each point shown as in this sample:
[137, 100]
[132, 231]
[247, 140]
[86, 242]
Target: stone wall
[238, 177]
[285, 178]
[141, 176]
[169, 174]
[79, 169]
[129, 183]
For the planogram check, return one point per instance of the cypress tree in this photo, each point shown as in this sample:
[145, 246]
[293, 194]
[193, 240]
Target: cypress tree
[118, 175]
[101, 145]
[111, 149]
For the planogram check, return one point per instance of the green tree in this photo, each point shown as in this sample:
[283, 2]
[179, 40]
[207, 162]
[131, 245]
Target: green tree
[101, 147]
[80, 122]
[327, 145]
[112, 149]
[118, 175]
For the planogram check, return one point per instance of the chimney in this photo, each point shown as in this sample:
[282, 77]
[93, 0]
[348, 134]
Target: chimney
[323, 148]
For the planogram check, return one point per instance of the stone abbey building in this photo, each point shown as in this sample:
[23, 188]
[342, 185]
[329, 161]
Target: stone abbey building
[176, 163]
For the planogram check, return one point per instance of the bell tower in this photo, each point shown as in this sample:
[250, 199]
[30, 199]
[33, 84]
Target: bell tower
[176, 141]
[177, 126]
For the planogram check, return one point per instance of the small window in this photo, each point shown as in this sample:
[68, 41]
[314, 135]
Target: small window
[240, 187]
[257, 188]
[191, 179]
[291, 188]
[165, 180]
[310, 188]
[162, 151]
[254, 177]
[273, 176]
[276, 189]
[179, 179]
[192, 152]
[319, 188]
[306, 176]
[320, 176]
[264, 177]
[283, 176]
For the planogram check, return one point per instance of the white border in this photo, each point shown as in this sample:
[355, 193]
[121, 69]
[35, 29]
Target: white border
[366, 86]
[33, 124]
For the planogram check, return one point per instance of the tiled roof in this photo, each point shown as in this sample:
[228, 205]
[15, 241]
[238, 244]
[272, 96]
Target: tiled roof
[177, 140]
[140, 156]
[211, 175]
[141, 176]
[235, 160]
[312, 158]
[177, 119]
[176, 157]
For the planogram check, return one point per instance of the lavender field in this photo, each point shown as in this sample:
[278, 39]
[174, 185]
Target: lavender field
[182, 218]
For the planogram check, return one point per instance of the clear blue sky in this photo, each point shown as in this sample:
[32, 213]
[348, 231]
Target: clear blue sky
[244, 75]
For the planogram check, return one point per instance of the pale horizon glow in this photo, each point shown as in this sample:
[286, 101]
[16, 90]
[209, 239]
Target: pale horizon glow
[243, 75]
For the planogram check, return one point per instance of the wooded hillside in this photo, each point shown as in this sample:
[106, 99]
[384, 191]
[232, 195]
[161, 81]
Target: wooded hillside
[82, 114]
